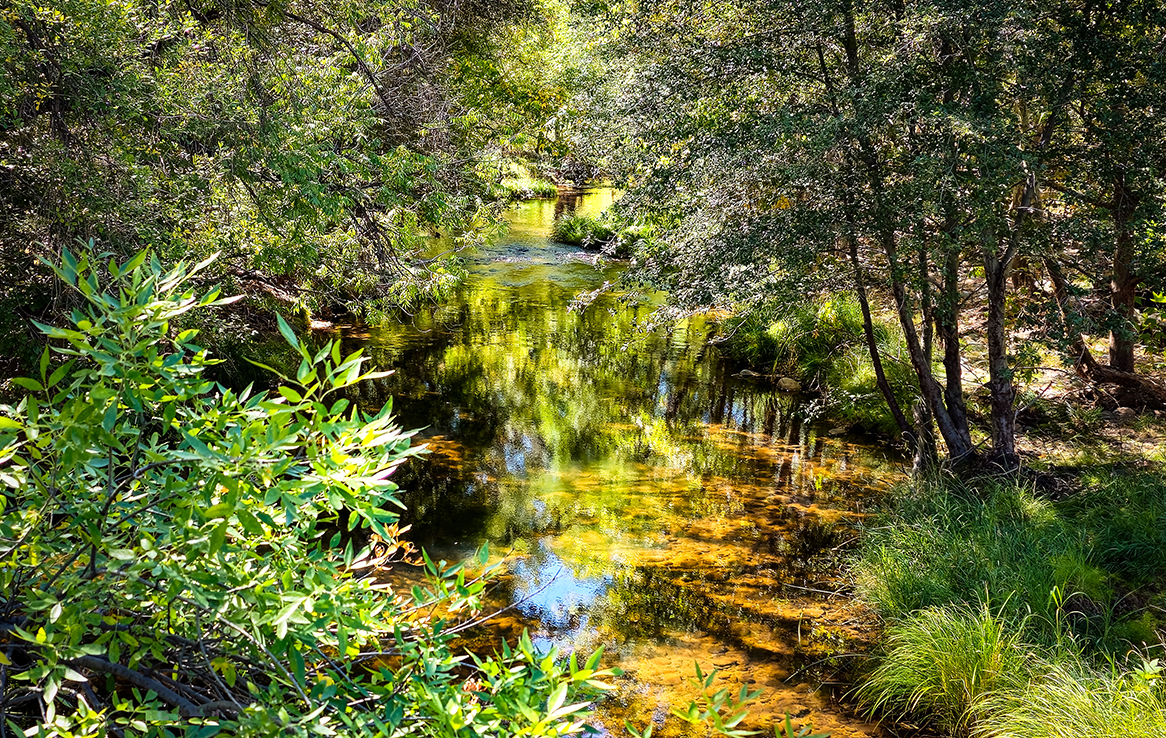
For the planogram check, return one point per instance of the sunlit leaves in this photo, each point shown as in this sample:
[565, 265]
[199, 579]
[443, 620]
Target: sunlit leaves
[161, 516]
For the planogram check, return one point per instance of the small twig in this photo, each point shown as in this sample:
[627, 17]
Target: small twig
[811, 589]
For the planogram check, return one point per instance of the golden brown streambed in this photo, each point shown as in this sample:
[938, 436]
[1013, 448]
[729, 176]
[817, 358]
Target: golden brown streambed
[647, 500]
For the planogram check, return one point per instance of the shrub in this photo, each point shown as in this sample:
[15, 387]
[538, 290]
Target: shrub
[173, 557]
[940, 663]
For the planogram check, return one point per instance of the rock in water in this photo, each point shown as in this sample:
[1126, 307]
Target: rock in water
[786, 384]
[747, 373]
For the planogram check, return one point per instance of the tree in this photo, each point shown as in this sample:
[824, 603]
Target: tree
[896, 149]
[1109, 180]
[314, 145]
[179, 557]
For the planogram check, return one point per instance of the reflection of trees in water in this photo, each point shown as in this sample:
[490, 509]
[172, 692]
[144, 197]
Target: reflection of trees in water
[567, 202]
[579, 412]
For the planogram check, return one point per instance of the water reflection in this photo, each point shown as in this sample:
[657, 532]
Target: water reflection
[651, 501]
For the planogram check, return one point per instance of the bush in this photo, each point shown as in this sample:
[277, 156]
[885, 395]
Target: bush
[177, 557]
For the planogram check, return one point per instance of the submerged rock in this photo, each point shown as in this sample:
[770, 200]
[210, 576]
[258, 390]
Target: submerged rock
[788, 384]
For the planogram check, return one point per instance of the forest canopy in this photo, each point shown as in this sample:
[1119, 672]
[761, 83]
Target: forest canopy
[996, 163]
[314, 145]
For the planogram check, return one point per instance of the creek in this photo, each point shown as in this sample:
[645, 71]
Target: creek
[645, 499]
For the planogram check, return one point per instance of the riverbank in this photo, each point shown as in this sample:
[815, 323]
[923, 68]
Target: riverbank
[1026, 607]
[1031, 607]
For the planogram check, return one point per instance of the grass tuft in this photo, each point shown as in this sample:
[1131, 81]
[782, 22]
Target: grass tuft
[942, 662]
[1073, 699]
[581, 230]
[1013, 616]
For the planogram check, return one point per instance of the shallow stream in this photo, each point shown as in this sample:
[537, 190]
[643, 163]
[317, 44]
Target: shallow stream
[645, 498]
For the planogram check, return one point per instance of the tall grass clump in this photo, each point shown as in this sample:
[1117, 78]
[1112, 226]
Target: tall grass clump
[823, 343]
[946, 544]
[1123, 513]
[942, 662]
[1013, 616]
[1075, 699]
[581, 230]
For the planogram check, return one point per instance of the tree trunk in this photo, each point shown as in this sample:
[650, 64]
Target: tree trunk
[1002, 421]
[947, 325]
[1122, 338]
[926, 449]
[1133, 390]
[928, 386]
[876, 360]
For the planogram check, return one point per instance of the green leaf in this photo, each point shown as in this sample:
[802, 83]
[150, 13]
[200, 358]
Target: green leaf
[221, 510]
[218, 537]
[137, 261]
[265, 367]
[109, 420]
[60, 372]
[558, 696]
[291, 394]
[29, 384]
[288, 334]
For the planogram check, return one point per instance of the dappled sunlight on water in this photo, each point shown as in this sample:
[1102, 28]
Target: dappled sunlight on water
[648, 501]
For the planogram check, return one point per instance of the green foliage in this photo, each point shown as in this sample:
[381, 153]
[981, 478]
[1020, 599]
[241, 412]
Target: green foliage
[940, 663]
[1123, 514]
[204, 547]
[516, 181]
[786, 730]
[971, 581]
[822, 342]
[722, 711]
[583, 230]
[1062, 562]
[315, 147]
[924, 155]
[1072, 699]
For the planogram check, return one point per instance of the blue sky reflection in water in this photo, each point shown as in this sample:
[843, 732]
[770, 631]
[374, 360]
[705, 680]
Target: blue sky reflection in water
[649, 500]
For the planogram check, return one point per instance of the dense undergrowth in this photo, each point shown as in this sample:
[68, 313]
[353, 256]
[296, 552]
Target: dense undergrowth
[822, 344]
[1016, 616]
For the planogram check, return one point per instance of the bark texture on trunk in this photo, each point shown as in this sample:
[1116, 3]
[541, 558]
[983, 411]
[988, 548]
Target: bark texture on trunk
[1002, 421]
[1122, 339]
[947, 326]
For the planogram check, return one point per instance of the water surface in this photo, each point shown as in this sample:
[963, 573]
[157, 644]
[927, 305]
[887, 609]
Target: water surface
[647, 499]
